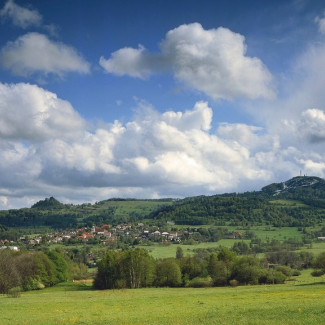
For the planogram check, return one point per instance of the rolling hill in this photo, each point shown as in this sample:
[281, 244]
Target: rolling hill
[298, 202]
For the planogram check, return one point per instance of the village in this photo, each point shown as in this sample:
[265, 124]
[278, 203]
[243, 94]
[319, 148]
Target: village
[108, 235]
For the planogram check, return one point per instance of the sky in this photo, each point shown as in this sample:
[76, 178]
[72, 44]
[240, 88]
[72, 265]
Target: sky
[158, 98]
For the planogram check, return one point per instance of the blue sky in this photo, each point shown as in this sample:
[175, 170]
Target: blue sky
[152, 99]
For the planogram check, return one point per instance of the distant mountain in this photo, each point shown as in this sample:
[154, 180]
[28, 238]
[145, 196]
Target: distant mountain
[48, 203]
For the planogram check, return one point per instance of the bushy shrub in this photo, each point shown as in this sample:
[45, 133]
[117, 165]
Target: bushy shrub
[275, 277]
[317, 273]
[14, 292]
[233, 283]
[200, 282]
[286, 270]
[33, 284]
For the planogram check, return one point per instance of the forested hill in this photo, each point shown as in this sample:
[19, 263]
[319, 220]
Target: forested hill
[299, 201]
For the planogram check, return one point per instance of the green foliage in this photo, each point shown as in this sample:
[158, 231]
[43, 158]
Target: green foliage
[138, 267]
[218, 270]
[132, 268]
[294, 260]
[191, 268]
[78, 271]
[30, 270]
[14, 292]
[9, 274]
[60, 264]
[109, 271]
[317, 273]
[306, 196]
[319, 265]
[46, 269]
[246, 270]
[200, 282]
[272, 276]
[233, 283]
[179, 252]
[168, 273]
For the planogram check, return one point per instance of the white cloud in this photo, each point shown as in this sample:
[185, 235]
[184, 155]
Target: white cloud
[246, 135]
[198, 118]
[20, 16]
[34, 53]
[313, 125]
[128, 61]
[212, 61]
[313, 167]
[28, 112]
[321, 23]
[153, 155]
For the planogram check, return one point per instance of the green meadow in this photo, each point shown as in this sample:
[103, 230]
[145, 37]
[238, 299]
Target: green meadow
[169, 250]
[301, 301]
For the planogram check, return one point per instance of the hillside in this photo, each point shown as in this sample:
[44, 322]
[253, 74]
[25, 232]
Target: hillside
[52, 213]
[298, 202]
[298, 187]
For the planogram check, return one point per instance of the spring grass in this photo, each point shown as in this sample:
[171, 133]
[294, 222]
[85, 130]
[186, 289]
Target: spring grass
[298, 302]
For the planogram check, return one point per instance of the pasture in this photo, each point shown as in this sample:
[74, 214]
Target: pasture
[301, 301]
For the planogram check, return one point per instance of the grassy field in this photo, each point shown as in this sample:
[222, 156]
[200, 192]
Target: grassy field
[298, 302]
[165, 251]
[125, 207]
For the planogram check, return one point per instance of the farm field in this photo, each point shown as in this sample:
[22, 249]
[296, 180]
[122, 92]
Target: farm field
[166, 251]
[298, 302]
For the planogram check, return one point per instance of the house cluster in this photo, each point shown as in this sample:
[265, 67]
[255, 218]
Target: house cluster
[81, 234]
[107, 234]
[8, 244]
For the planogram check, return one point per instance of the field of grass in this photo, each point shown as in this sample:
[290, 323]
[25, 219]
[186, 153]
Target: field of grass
[316, 248]
[297, 302]
[165, 251]
[125, 207]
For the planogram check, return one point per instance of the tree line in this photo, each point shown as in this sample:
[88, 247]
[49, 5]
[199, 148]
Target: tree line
[135, 268]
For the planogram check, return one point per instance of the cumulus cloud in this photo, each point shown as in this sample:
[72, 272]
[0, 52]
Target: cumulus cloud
[212, 61]
[20, 16]
[35, 53]
[129, 61]
[313, 125]
[28, 112]
[153, 155]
